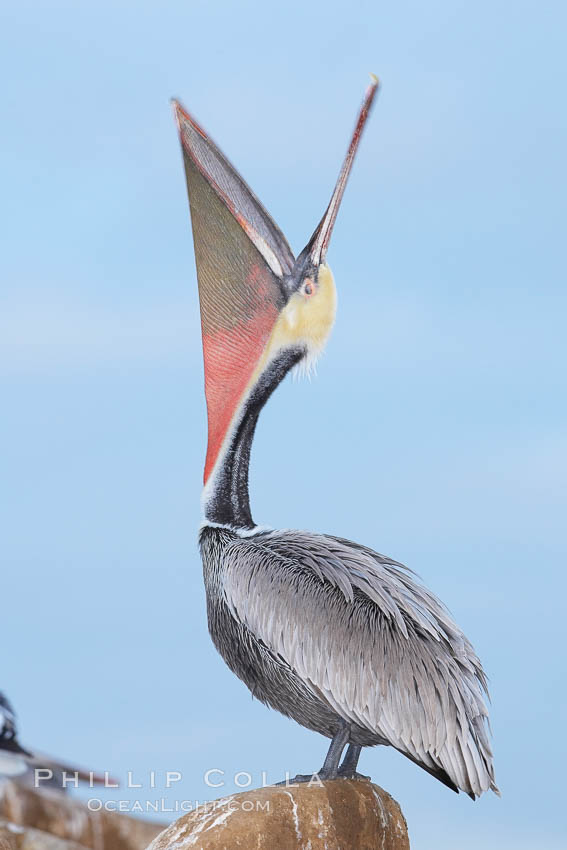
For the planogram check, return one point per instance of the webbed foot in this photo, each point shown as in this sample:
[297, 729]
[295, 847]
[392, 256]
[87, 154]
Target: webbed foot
[330, 769]
[345, 773]
[311, 778]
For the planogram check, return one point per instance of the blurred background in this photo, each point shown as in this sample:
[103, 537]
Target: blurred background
[434, 432]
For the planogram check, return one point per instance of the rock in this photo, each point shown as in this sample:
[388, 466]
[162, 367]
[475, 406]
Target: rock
[338, 815]
[63, 817]
[14, 837]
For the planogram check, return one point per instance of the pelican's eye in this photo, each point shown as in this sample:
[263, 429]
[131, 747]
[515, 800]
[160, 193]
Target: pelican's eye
[308, 288]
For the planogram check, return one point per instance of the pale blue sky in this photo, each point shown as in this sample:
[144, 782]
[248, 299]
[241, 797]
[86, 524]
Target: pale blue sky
[435, 431]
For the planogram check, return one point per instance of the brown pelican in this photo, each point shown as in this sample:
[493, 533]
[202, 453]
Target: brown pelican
[345, 641]
[35, 768]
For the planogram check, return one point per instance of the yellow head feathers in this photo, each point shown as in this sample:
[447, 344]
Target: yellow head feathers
[306, 320]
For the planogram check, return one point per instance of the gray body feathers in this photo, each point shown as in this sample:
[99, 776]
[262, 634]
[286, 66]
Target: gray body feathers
[326, 630]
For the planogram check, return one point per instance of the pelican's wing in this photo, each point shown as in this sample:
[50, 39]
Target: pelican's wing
[363, 634]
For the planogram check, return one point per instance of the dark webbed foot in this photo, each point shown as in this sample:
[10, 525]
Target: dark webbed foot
[351, 774]
[314, 778]
[330, 769]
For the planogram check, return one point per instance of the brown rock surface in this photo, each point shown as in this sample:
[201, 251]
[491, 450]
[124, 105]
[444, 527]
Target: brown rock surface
[339, 815]
[60, 816]
[13, 837]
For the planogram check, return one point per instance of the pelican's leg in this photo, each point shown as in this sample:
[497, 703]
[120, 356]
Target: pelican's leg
[348, 768]
[330, 769]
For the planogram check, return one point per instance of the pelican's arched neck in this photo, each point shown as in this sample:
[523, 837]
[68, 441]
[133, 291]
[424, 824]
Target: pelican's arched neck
[225, 499]
[299, 334]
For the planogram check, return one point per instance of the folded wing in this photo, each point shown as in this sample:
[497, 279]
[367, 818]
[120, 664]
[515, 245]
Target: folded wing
[381, 649]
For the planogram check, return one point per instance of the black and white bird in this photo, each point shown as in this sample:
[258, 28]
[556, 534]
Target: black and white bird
[12, 755]
[345, 641]
[33, 767]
